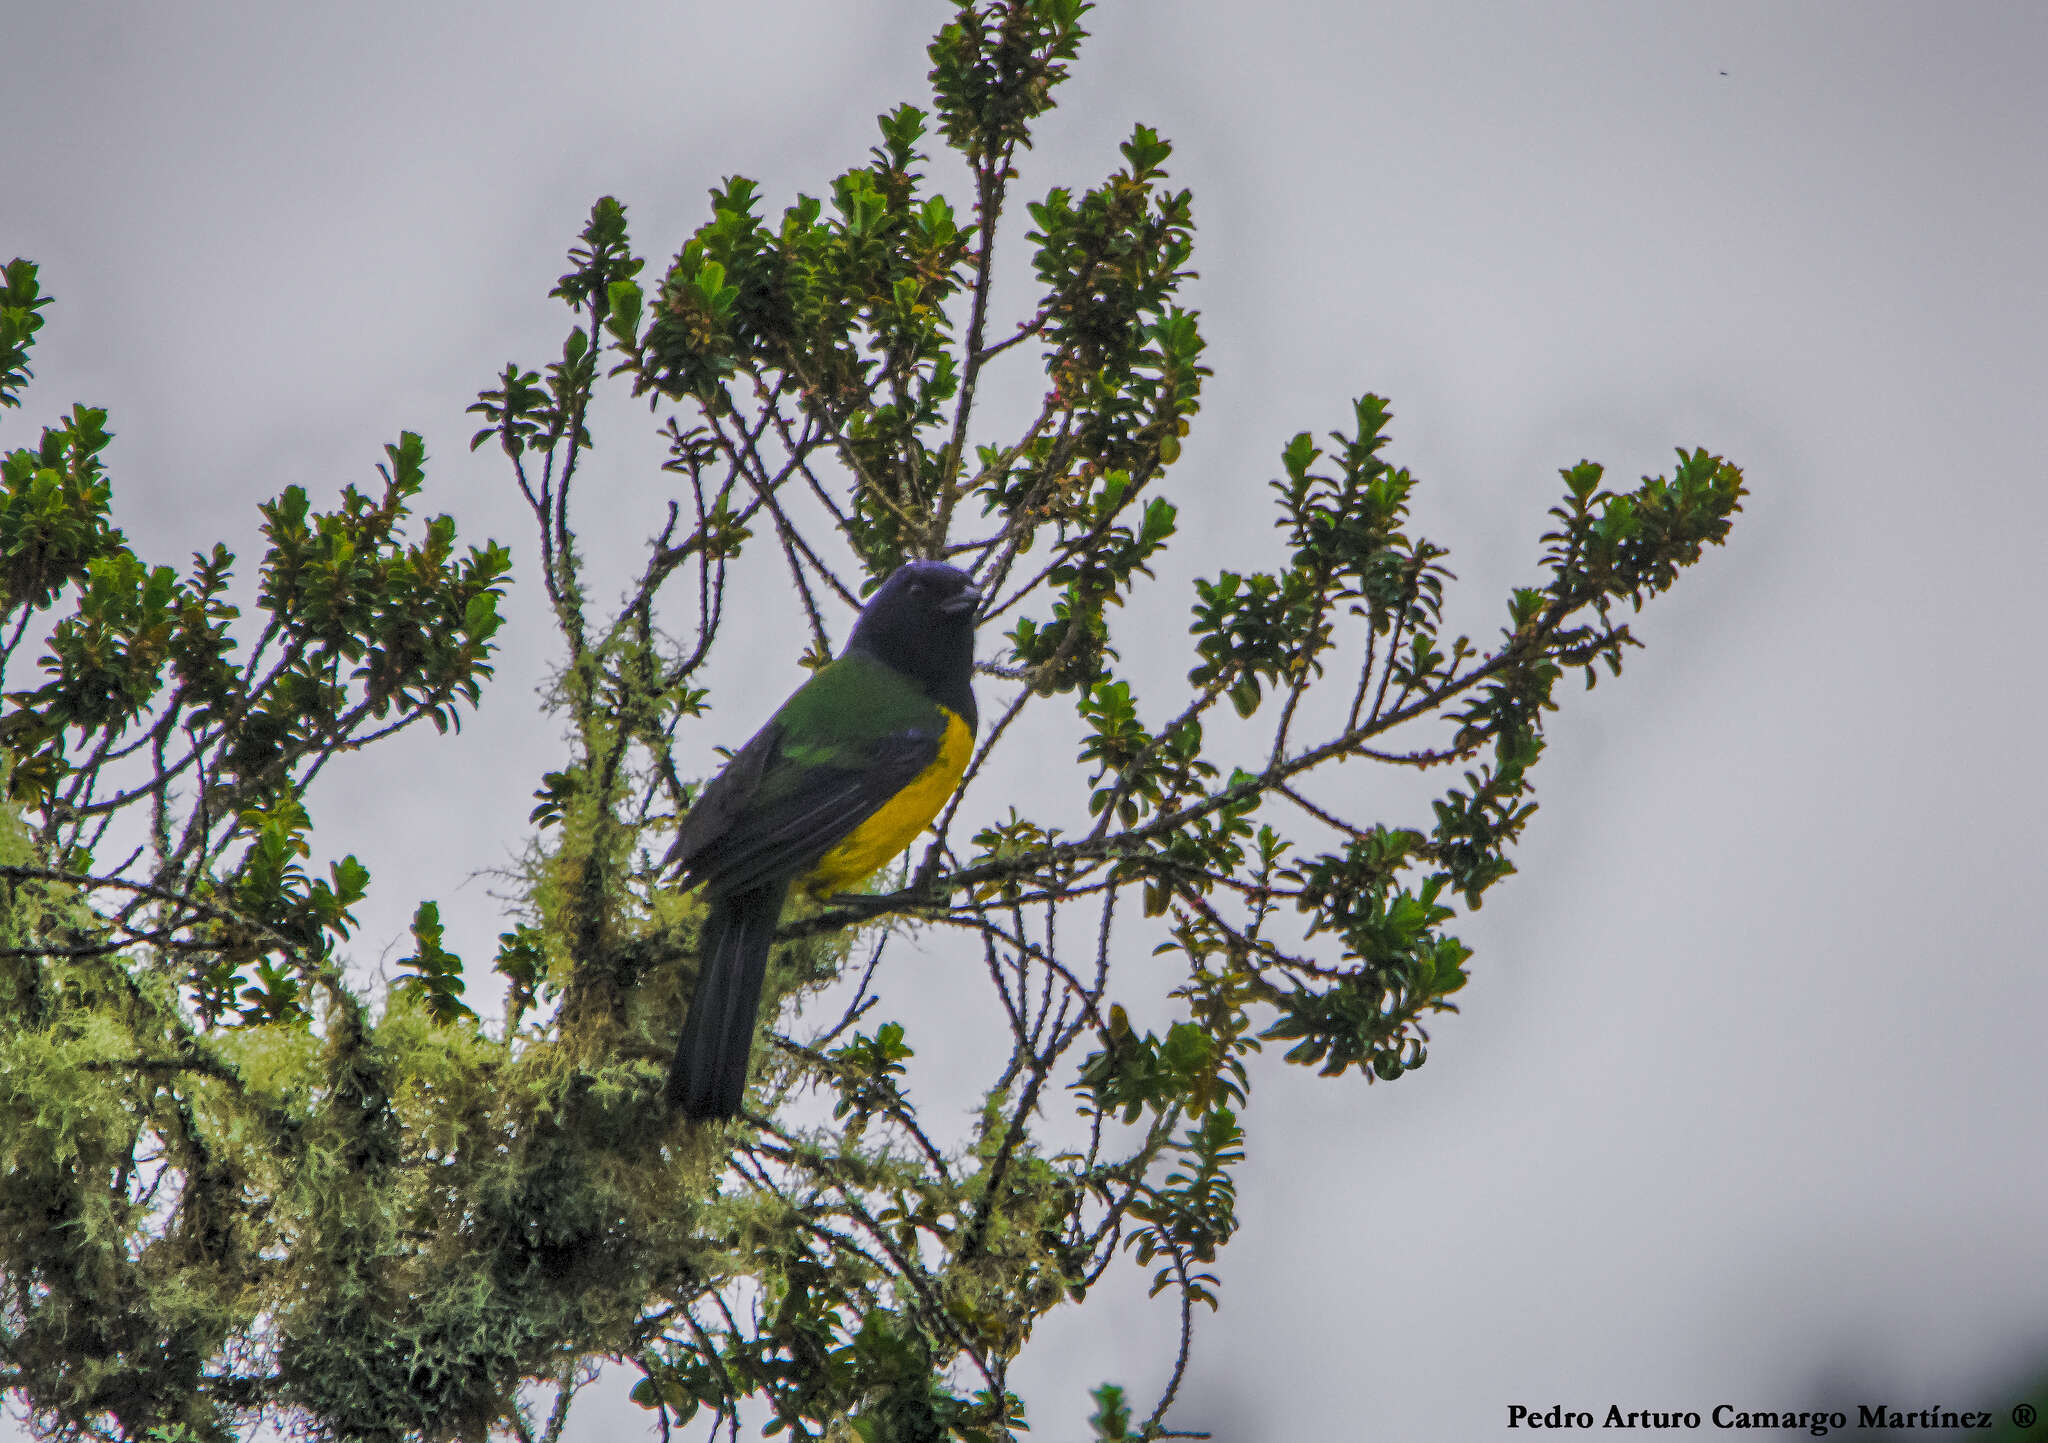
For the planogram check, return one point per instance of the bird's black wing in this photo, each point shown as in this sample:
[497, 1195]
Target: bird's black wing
[722, 802]
[778, 813]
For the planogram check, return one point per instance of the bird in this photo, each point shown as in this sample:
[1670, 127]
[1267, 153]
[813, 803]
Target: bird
[842, 779]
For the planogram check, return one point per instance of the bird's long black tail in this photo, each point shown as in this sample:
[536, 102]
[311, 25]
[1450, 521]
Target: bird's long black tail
[709, 1076]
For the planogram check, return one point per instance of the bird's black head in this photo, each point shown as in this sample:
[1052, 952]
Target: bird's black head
[921, 622]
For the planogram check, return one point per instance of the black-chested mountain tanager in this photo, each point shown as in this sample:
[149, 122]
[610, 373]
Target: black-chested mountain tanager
[840, 781]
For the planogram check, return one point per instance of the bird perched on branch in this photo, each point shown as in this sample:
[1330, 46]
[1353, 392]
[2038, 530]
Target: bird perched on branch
[839, 782]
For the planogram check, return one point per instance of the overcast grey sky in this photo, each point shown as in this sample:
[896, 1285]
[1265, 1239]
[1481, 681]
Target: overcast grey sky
[1745, 1102]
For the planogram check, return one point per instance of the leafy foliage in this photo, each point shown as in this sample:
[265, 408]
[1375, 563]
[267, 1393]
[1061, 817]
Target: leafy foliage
[232, 1180]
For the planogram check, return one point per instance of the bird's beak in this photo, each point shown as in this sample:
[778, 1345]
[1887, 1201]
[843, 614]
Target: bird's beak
[960, 602]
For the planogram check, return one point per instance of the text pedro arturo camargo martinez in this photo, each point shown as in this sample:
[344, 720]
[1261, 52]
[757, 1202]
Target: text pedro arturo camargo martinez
[1727, 1415]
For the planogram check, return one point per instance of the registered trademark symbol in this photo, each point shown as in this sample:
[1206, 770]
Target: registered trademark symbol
[2023, 1416]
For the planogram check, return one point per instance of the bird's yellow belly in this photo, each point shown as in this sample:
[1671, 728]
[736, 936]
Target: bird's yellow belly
[883, 836]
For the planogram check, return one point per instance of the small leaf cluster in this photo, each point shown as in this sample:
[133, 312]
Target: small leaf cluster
[994, 68]
[432, 972]
[1194, 1212]
[21, 304]
[54, 518]
[1351, 552]
[1138, 1072]
[868, 1068]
